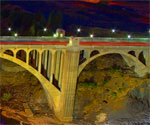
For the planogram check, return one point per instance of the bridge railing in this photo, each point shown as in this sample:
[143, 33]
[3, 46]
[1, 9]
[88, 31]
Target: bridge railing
[82, 39]
[32, 38]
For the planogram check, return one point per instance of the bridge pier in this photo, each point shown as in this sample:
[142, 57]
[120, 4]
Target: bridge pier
[69, 79]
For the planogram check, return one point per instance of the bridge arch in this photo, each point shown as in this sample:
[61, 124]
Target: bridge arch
[94, 52]
[21, 54]
[51, 92]
[132, 53]
[8, 52]
[142, 58]
[134, 59]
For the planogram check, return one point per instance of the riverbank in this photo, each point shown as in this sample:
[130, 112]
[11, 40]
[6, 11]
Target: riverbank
[20, 89]
[107, 92]
[103, 88]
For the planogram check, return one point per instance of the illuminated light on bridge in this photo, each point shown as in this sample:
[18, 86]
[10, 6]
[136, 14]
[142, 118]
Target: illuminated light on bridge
[78, 30]
[16, 34]
[129, 36]
[9, 28]
[113, 30]
[149, 31]
[54, 35]
[45, 29]
[91, 35]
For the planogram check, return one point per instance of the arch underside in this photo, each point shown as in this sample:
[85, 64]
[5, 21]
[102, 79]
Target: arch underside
[51, 91]
[138, 65]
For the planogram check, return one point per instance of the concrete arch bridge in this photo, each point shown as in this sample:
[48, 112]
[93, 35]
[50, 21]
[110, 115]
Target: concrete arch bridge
[57, 63]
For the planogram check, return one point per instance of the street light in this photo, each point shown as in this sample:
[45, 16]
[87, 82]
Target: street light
[15, 34]
[45, 29]
[113, 30]
[9, 28]
[129, 36]
[54, 35]
[91, 35]
[78, 30]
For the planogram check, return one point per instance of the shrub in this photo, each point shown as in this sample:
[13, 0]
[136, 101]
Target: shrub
[104, 82]
[121, 74]
[112, 70]
[119, 90]
[6, 96]
[89, 84]
[114, 94]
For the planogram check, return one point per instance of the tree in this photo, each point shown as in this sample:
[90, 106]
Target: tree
[32, 30]
[39, 22]
[55, 20]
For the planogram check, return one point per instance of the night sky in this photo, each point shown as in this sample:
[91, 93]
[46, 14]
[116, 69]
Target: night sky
[124, 15]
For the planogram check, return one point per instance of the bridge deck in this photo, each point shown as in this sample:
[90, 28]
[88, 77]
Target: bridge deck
[86, 41]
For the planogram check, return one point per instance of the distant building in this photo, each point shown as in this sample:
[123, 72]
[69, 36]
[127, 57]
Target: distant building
[60, 33]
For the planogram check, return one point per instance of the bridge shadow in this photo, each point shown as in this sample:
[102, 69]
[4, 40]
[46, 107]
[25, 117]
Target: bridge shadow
[55, 82]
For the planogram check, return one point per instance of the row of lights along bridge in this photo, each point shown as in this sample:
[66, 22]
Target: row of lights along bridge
[78, 30]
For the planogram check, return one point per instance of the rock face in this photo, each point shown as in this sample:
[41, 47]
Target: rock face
[27, 102]
[10, 67]
[142, 94]
[101, 118]
[103, 84]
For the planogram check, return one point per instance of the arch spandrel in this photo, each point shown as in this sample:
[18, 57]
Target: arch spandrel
[134, 59]
[51, 92]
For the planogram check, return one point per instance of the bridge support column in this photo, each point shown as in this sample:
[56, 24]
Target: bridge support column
[43, 58]
[40, 61]
[58, 55]
[52, 69]
[137, 52]
[27, 57]
[147, 58]
[128, 61]
[37, 59]
[49, 64]
[45, 63]
[33, 54]
[87, 54]
[69, 81]
[61, 70]
[15, 53]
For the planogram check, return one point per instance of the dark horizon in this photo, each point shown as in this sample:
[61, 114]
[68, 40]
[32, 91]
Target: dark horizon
[125, 17]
